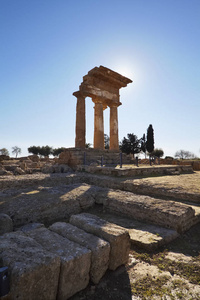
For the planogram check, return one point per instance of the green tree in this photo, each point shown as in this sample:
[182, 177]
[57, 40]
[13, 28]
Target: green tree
[131, 144]
[16, 150]
[57, 151]
[106, 141]
[34, 150]
[150, 139]
[158, 152]
[143, 144]
[45, 150]
[4, 151]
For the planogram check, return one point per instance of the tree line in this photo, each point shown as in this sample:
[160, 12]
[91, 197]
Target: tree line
[45, 150]
[42, 151]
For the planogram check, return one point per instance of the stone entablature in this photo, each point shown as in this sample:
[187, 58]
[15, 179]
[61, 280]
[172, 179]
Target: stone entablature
[102, 85]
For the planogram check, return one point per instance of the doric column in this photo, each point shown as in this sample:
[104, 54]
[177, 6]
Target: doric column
[114, 141]
[98, 125]
[80, 120]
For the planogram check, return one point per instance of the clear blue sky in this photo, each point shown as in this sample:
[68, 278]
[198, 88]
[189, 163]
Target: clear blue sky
[47, 46]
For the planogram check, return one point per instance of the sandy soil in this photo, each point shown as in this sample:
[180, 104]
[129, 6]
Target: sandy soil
[181, 183]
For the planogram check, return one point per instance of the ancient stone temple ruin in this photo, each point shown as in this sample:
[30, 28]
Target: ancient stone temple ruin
[102, 85]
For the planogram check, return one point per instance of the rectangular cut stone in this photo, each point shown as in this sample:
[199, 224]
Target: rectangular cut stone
[75, 261]
[33, 271]
[158, 211]
[117, 236]
[100, 248]
[50, 204]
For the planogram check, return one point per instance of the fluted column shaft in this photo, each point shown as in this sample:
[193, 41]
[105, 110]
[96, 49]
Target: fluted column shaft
[80, 121]
[98, 125]
[114, 141]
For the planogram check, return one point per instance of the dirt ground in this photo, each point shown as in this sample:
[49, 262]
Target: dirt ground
[171, 272]
[188, 183]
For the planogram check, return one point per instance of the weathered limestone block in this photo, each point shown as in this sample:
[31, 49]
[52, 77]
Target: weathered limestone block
[33, 271]
[6, 224]
[85, 194]
[19, 171]
[61, 168]
[162, 212]
[196, 165]
[47, 168]
[75, 261]
[23, 165]
[67, 157]
[31, 226]
[49, 206]
[56, 168]
[33, 165]
[11, 167]
[2, 171]
[100, 248]
[117, 236]
[34, 157]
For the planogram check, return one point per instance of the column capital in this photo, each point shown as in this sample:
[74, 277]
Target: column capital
[101, 101]
[97, 100]
[78, 94]
[114, 104]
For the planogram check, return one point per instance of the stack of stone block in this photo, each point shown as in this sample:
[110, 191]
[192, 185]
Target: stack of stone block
[58, 262]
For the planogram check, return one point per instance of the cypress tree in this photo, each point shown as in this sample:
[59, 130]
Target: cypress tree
[150, 139]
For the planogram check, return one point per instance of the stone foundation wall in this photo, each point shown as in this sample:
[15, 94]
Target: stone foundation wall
[93, 156]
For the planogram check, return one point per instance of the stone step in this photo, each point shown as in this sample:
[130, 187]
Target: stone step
[75, 260]
[117, 236]
[143, 235]
[138, 185]
[49, 204]
[166, 213]
[100, 249]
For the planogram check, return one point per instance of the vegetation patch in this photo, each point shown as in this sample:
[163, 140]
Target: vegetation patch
[189, 271]
[147, 287]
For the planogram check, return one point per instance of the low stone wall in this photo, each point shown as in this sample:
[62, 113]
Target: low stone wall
[194, 163]
[176, 162]
[143, 171]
